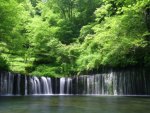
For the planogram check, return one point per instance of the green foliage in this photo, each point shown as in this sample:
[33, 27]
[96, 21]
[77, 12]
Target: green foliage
[66, 37]
[3, 64]
[44, 70]
[116, 39]
[9, 19]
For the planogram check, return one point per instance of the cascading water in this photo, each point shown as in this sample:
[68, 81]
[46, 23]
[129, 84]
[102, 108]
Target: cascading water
[62, 85]
[6, 83]
[69, 85]
[36, 86]
[26, 85]
[46, 85]
[10, 84]
[111, 83]
[49, 85]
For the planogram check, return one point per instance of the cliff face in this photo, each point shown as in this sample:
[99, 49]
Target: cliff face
[123, 82]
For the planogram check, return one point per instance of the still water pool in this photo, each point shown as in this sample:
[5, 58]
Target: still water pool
[74, 104]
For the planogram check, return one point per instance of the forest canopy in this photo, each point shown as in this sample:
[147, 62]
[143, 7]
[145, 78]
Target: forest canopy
[69, 37]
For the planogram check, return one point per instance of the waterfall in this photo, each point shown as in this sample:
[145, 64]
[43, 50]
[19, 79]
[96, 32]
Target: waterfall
[62, 85]
[69, 83]
[108, 85]
[26, 85]
[10, 84]
[36, 86]
[46, 85]
[50, 85]
[126, 82]
[6, 83]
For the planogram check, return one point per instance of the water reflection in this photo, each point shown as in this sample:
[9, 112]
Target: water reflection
[74, 104]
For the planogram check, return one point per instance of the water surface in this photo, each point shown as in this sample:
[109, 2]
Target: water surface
[74, 104]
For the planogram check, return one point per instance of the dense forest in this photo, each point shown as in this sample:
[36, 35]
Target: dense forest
[67, 37]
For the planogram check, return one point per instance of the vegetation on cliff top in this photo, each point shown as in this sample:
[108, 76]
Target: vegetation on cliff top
[67, 37]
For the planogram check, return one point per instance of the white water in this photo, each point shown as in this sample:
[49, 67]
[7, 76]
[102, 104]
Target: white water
[62, 85]
[69, 83]
[50, 85]
[36, 86]
[26, 88]
[10, 84]
[46, 85]
[6, 83]
[112, 83]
